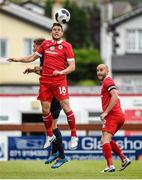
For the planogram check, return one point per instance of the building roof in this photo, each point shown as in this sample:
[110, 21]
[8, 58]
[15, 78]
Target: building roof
[125, 17]
[24, 14]
[127, 63]
[121, 7]
[39, 4]
[35, 7]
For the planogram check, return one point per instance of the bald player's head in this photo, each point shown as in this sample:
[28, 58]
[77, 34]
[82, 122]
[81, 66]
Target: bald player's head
[102, 71]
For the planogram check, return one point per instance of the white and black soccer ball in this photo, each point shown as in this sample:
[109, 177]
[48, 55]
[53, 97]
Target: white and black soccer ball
[62, 16]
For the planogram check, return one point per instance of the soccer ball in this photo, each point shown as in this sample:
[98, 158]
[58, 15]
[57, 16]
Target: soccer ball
[62, 16]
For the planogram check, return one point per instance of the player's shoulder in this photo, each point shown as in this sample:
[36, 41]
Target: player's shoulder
[108, 80]
[66, 44]
[46, 42]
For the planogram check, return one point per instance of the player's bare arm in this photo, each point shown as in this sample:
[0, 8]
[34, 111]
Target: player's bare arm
[112, 103]
[26, 59]
[68, 70]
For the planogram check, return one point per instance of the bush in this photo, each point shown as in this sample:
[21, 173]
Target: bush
[86, 62]
[86, 83]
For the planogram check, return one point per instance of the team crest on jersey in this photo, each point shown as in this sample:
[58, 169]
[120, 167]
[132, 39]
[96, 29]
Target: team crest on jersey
[60, 47]
[52, 48]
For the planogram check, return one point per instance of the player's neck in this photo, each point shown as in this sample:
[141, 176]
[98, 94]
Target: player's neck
[106, 77]
[57, 40]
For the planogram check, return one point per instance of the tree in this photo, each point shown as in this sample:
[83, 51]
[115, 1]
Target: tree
[48, 8]
[78, 30]
[94, 25]
[86, 63]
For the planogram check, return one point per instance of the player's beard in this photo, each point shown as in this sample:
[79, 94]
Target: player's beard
[104, 76]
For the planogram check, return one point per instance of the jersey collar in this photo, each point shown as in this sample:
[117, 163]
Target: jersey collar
[58, 42]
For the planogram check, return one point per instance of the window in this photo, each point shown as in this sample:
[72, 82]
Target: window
[28, 47]
[3, 48]
[134, 41]
[94, 116]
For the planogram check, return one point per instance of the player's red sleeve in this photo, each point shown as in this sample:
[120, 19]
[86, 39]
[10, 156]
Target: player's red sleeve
[109, 84]
[40, 50]
[69, 53]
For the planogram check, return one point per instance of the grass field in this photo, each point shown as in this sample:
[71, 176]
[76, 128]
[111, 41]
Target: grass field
[85, 169]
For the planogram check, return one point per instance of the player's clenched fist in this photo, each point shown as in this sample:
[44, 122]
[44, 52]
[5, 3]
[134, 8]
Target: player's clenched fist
[28, 70]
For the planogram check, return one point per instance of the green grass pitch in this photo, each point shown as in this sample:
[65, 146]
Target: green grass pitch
[81, 169]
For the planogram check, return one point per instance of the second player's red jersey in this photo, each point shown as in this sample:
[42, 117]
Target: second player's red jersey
[56, 55]
[107, 85]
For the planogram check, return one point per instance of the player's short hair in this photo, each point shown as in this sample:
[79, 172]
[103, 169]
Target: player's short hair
[57, 24]
[38, 41]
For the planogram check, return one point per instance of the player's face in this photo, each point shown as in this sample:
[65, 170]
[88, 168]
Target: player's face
[35, 47]
[102, 72]
[57, 33]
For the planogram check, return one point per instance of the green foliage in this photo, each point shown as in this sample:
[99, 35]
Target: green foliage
[48, 8]
[86, 56]
[86, 83]
[80, 34]
[86, 63]
[78, 30]
[94, 25]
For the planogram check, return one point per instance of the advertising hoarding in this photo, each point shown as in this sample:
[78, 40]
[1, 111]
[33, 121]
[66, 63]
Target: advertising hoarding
[31, 147]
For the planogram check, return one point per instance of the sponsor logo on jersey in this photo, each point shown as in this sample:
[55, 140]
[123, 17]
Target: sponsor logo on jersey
[51, 52]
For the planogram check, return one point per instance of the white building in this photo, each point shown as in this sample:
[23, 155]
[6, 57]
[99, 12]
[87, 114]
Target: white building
[121, 47]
